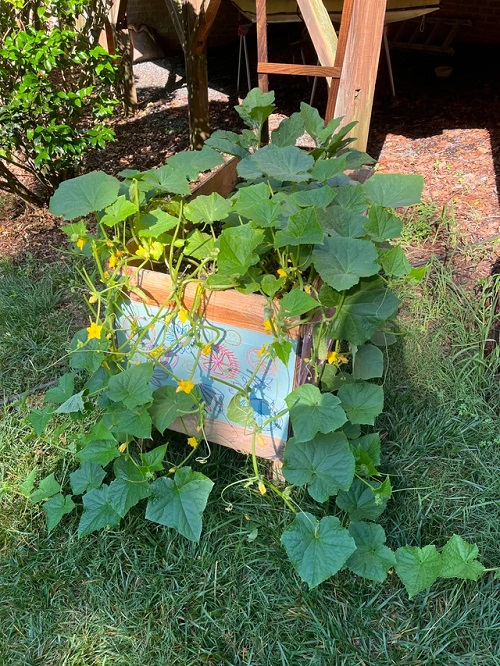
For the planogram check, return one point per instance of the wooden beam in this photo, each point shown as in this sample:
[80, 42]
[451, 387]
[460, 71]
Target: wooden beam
[261, 25]
[299, 70]
[359, 71]
[207, 15]
[320, 29]
[339, 56]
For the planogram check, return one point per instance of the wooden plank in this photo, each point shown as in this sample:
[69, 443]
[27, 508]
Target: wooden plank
[223, 181]
[339, 56]
[359, 70]
[321, 31]
[261, 26]
[230, 435]
[229, 306]
[299, 70]
[207, 13]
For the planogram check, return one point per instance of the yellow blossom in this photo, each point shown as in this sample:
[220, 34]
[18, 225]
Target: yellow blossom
[260, 439]
[268, 326]
[183, 316]
[206, 349]
[142, 252]
[112, 261]
[185, 386]
[94, 331]
[307, 288]
[262, 488]
[343, 359]
[122, 447]
[172, 470]
[80, 243]
[92, 299]
[332, 357]
[262, 350]
[281, 272]
[106, 275]
[193, 442]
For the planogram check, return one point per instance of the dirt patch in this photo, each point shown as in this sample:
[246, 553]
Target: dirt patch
[446, 130]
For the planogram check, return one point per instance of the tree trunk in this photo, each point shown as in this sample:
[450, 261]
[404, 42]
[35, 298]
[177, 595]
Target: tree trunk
[197, 89]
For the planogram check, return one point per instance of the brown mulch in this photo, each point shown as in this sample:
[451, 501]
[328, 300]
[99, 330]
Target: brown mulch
[446, 130]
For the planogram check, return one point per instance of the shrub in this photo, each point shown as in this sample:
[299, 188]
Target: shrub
[55, 82]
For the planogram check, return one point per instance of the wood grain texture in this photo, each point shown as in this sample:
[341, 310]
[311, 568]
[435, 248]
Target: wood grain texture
[223, 181]
[339, 57]
[359, 70]
[321, 31]
[261, 26]
[298, 70]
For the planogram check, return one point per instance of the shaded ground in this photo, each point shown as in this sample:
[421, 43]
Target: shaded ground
[446, 130]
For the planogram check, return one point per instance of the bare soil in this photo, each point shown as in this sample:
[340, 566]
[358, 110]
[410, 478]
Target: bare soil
[447, 130]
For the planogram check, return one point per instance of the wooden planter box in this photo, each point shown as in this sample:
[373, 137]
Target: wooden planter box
[239, 320]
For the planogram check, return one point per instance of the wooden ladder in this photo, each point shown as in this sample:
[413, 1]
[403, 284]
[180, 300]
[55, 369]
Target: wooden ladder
[329, 49]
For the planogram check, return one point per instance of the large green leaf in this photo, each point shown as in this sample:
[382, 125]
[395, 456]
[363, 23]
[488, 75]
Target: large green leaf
[342, 261]
[253, 203]
[459, 559]
[361, 312]
[312, 411]
[190, 163]
[237, 249]
[372, 559]
[289, 164]
[57, 507]
[73, 404]
[228, 142]
[97, 512]
[394, 262]
[368, 362]
[167, 179]
[239, 410]
[64, 389]
[362, 402]
[296, 302]
[302, 228]
[180, 502]
[132, 386]
[152, 461]
[87, 354]
[360, 502]
[207, 209]
[317, 549]
[88, 476]
[129, 487]
[168, 404]
[339, 220]
[370, 444]
[418, 568]
[157, 222]
[320, 197]
[130, 422]
[100, 446]
[289, 130]
[323, 170]
[256, 107]
[85, 194]
[393, 190]
[119, 211]
[199, 245]
[382, 225]
[46, 488]
[325, 464]
[351, 197]
[39, 419]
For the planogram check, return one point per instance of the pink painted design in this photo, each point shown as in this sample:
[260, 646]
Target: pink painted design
[222, 363]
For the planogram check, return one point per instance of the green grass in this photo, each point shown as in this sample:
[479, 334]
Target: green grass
[143, 595]
[37, 315]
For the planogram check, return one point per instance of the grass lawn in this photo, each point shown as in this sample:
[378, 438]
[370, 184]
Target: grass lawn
[142, 595]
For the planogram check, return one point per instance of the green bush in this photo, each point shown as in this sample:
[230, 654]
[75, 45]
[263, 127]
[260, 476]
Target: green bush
[55, 92]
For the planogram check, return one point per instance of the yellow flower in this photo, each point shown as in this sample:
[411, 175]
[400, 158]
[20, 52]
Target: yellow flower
[307, 288]
[262, 350]
[332, 357]
[172, 470]
[343, 359]
[112, 261]
[106, 274]
[206, 349]
[262, 488]
[281, 272]
[260, 439]
[80, 243]
[122, 447]
[185, 386]
[183, 316]
[94, 331]
[268, 326]
[142, 252]
[92, 299]
[193, 442]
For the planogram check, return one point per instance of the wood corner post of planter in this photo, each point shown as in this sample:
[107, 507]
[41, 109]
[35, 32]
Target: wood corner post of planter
[193, 20]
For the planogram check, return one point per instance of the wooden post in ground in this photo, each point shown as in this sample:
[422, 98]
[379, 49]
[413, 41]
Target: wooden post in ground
[359, 72]
[193, 20]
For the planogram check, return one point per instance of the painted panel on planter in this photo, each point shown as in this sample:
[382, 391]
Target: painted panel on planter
[229, 355]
